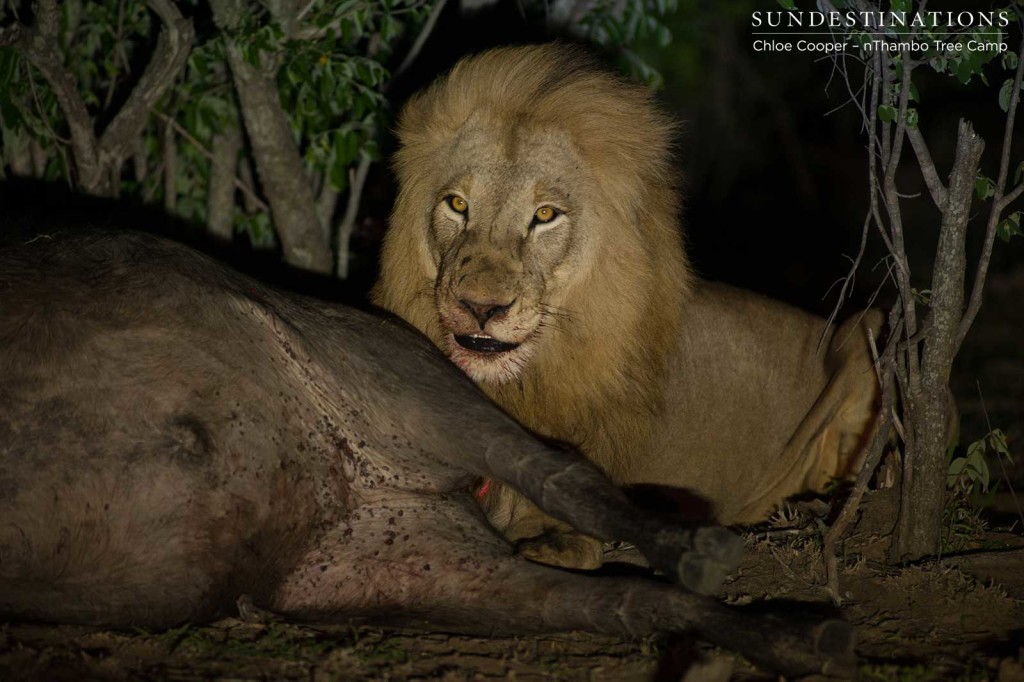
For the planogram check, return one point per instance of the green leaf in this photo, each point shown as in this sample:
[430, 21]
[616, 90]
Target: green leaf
[900, 5]
[887, 113]
[1010, 227]
[664, 36]
[912, 118]
[1018, 174]
[787, 4]
[10, 117]
[1009, 60]
[977, 467]
[338, 176]
[1004, 94]
[964, 70]
[956, 467]
[997, 439]
[914, 96]
[938, 63]
[983, 187]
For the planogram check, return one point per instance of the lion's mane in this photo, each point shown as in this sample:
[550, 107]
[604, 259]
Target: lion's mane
[598, 384]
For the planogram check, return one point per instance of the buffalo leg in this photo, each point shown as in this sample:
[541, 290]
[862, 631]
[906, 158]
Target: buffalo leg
[461, 576]
[573, 490]
[562, 483]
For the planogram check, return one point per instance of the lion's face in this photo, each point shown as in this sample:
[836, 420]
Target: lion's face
[506, 236]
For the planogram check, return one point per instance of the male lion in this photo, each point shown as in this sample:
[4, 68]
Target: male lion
[536, 241]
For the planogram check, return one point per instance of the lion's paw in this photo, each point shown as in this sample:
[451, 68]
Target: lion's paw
[565, 549]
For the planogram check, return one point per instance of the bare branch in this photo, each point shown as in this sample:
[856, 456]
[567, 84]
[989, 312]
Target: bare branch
[118, 36]
[39, 46]
[170, 167]
[421, 39]
[172, 50]
[873, 144]
[999, 457]
[884, 367]
[892, 205]
[253, 201]
[326, 203]
[946, 301]
[995, 213]
[97, 159]
[885, 75]
[847, 282]
[908, 369]
[139, 160]
[278, 163]
[924, 160]
[18, 153]
[1010, 198]
[221, 195]
[348, 222]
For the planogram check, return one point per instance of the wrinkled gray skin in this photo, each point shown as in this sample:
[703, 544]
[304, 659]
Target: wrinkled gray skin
[174, 435]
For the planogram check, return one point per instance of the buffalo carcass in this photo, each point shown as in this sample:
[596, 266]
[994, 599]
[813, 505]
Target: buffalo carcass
[174, 435]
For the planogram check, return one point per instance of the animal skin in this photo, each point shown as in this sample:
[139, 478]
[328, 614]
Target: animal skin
[175, 436]
[536, 241]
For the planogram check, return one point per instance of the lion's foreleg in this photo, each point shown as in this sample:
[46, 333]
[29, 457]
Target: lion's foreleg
[537, 536]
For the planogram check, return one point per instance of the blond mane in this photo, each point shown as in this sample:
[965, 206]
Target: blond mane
[598, 384]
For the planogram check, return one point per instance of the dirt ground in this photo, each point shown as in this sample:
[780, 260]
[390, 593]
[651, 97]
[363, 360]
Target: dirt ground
[949, 619]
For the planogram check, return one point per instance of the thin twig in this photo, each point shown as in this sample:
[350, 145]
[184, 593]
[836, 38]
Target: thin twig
[358, 176]
[239, 183]
[927, 165]
[847, 284]
[876, 445]
[892, 205]
[118, 35]
[173, 47]
[1010, 197]
[38, 45]
[787, 570]
[999, 457]
[421, 39]
[170, 164]
[357, 180]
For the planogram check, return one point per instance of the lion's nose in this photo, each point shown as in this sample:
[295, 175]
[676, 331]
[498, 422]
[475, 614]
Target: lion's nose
[485, 311]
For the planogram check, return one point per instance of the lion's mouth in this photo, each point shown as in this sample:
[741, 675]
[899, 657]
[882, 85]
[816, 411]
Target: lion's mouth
[484, 343]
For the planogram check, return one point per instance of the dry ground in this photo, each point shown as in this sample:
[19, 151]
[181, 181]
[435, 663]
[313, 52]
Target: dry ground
[952, 619]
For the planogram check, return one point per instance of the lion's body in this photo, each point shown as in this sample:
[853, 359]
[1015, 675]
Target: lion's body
[536, 241]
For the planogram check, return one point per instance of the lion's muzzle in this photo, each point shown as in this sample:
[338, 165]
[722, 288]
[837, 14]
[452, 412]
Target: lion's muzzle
[483, 312]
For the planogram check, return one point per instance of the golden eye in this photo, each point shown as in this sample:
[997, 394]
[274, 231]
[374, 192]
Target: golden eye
[458, 204]
[545, 214]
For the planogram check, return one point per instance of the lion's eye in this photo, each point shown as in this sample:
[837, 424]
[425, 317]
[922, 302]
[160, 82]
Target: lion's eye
[457, 203]
[544, 214]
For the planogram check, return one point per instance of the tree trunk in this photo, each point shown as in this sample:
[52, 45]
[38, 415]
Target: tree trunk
[924, 479]
[221, 200]
[97, 161]
[278, 164]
